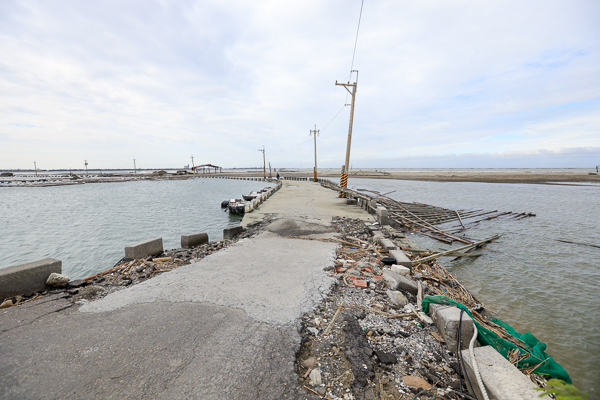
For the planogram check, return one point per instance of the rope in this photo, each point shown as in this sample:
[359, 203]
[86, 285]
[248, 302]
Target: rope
[474, 362]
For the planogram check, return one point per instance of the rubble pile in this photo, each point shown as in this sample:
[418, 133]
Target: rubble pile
[367, 340]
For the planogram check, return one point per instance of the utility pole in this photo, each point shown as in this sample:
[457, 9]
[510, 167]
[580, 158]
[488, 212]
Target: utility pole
[264, 163]
[134, 168]
[193, 169]
[35, 167]
[86, 164]
[270, 174]
[344, 177]
[315, 133]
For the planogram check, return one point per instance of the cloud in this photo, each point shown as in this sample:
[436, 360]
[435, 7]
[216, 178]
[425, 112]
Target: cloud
[158, 80]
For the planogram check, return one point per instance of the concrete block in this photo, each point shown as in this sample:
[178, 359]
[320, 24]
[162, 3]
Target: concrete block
[229, 233]
[407, 284]
[144, 248]
[382, 215]
[387, 244]
[351, 202]
[372, 206]
[401, 258]
[391, 279]
[195, 239]
[446, 319]
[501, 379]
[399, 269]
[27, 278]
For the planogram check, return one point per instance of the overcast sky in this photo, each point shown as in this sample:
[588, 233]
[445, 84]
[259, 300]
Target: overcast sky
[440, 84]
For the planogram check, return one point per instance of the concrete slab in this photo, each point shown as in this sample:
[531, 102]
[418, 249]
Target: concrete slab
[273, 279]
[401, 258]
[501, 379]
[27, 278]
[223, 328]
[446, 319]
[308, 202]
[195, 239]
[388, 244]
[144, 248]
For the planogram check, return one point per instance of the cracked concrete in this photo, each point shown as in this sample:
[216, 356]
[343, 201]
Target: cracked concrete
[223, 328]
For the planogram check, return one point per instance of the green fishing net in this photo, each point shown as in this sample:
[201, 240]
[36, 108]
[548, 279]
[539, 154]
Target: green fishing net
[533, 349]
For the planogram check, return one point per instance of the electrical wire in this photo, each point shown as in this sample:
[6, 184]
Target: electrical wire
[355, 43]
[296, 145]
[356, 40]
[338, 113]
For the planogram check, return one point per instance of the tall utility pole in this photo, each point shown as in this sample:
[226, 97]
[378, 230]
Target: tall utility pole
[134, 168]
[35, 168]
[264, 163]
[86, 171]
[344, 177]
[315, 133]
[193, 169]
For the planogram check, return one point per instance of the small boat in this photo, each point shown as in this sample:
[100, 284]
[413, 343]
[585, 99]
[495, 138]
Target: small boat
[237, 206]
[250, 196]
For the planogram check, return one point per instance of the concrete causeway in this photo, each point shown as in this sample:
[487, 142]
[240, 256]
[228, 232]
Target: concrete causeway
[225, 327]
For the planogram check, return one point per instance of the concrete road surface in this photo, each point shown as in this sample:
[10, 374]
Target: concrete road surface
[223, 328]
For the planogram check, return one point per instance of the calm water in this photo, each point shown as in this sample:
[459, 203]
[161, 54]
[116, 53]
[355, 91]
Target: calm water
[532, 280]
[88, 226]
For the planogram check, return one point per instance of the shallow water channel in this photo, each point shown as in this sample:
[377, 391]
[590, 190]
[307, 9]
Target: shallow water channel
[542, 275]
[88, 226]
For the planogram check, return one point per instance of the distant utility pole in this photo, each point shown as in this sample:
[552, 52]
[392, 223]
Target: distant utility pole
[134, 168]
[86, 164]
[270, 174]
[344, 177]
[315, 133]
[193, 169]
[35, 168]
[264, 163]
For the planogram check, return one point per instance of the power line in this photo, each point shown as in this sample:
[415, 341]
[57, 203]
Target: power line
[299, 144]
[296, 145]
[338, 113]
[356, 40]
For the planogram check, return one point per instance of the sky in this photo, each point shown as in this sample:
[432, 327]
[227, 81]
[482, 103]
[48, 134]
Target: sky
[461, 84]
